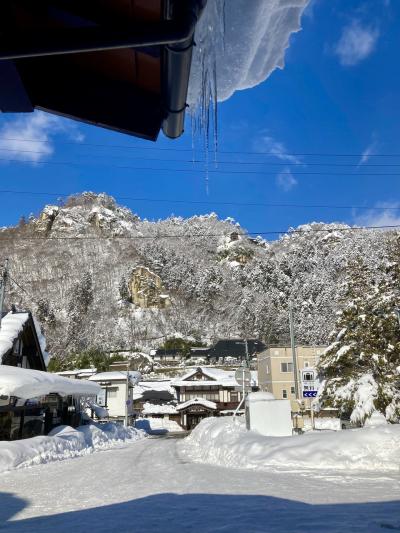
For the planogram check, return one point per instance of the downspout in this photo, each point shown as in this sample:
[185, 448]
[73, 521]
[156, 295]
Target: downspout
[176, 73]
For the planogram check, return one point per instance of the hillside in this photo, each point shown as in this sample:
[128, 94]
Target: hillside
[75, 263]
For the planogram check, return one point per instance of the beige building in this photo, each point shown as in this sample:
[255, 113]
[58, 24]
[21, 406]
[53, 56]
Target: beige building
[275, 369]
[146, 289]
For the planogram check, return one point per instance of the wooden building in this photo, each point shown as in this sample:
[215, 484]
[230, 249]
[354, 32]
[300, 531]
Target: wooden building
[204, 392]
[33, 402]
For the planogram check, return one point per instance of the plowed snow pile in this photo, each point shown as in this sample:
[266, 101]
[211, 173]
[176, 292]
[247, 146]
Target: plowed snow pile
[226, 442]
[64, 442]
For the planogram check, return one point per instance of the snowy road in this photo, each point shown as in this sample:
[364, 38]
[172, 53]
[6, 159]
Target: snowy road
[148, 486]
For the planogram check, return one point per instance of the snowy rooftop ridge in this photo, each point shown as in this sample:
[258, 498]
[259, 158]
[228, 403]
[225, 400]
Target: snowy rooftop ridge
[225, 378]
[197, 401]
[11, 326]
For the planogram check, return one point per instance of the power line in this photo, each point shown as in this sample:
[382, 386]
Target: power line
[164, 149]
[218, 162]
[197, 171]
[19, 286]
[207, 202]
[193, 236]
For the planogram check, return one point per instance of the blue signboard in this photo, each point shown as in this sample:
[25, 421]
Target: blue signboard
[309, 393]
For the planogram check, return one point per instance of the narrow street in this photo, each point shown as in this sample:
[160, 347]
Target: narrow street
[149, 486]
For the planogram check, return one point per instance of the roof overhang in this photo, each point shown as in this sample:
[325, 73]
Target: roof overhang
[120, 64]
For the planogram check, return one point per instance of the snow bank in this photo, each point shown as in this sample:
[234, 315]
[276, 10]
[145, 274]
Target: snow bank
[62, 443]
[158, 426]
[240, 43]
[328, 423]
[226, 442]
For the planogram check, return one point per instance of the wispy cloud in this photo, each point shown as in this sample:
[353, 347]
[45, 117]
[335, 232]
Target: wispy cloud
[31, 137]
[356, 43]
[266, 143]
[389, 215]
[309, 10]
[370, 150]
[285, 180]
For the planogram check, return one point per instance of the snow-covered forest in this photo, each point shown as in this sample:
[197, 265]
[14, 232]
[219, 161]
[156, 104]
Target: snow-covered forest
[74, 261]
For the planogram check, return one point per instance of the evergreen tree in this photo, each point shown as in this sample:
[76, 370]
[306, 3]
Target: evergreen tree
[360, 368]
[81, 300]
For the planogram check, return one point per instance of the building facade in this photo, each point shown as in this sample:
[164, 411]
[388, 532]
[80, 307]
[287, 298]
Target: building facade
[204, 392]
[276, 373]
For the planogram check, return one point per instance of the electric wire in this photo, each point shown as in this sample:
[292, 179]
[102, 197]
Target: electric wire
[198, 171]
[194, 236]
[208, 202]
[176, 149]
[216, 163]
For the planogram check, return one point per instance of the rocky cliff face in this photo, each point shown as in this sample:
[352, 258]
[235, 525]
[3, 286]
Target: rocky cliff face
[76, 263]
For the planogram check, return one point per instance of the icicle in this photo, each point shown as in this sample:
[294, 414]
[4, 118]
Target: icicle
[204, 113]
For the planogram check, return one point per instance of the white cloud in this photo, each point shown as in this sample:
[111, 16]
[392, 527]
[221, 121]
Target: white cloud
[286, 180]
[370, 150]
[356, 43]
[269, 145]
[19, 138]
[388, 215]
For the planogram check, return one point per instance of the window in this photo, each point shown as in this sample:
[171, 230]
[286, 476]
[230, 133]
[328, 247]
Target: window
[306, 364]
[292, 390]
[286, 367]
[112, 393]
[234, 397]
[284, 394]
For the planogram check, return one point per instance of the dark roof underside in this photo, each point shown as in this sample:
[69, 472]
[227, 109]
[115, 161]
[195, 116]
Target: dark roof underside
[99, 61]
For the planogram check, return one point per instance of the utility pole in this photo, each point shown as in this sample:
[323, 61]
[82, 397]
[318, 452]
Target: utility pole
[294, 357]
[246, 346]
[3, 283]
[126, 396]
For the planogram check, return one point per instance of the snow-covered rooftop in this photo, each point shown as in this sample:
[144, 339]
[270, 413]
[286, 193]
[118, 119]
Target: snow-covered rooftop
[197, 401]
[224, 378]
[77, 372]
[115, 375]
[26, 383]
[244, 41]
[153, 409]
[11, 326]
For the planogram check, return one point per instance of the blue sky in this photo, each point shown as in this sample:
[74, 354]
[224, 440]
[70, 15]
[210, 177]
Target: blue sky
[338, 94]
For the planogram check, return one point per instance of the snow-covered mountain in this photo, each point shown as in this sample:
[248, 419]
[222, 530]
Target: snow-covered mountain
[75, 264]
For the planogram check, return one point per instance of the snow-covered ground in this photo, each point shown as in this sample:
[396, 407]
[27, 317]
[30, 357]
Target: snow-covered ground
[64, 442]
[225, 441]
[149, 487]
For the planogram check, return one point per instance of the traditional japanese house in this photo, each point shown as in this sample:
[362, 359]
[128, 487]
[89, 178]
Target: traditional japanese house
[32, 401]
[204, 392]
